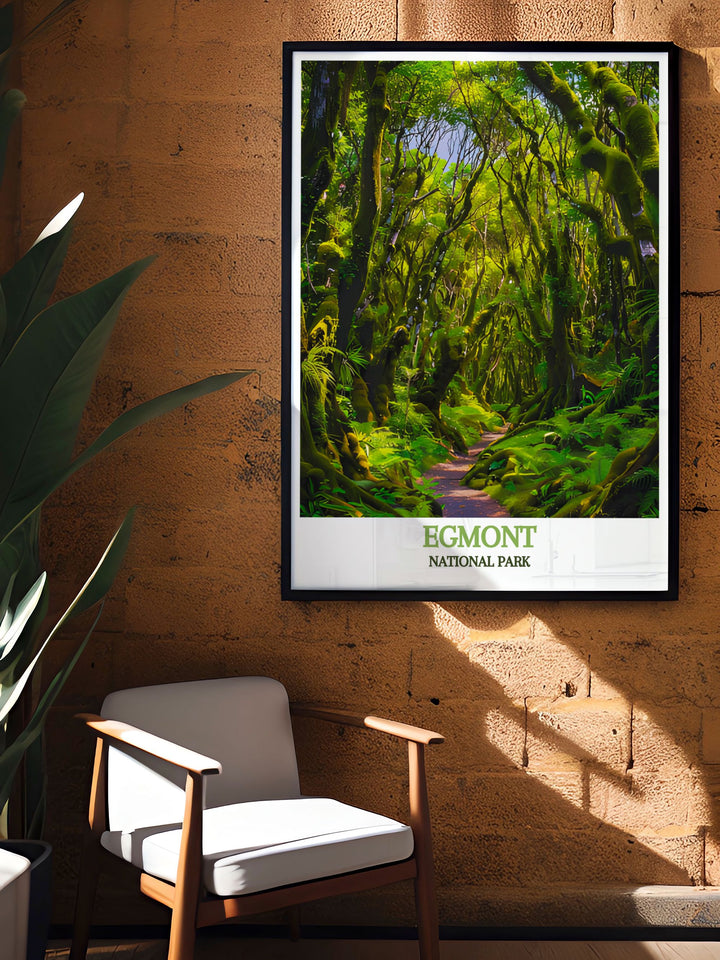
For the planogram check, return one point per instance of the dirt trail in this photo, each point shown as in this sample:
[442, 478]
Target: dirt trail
[459, 501]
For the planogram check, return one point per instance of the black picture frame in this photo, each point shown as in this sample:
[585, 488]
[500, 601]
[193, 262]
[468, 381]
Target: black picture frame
[596, 558]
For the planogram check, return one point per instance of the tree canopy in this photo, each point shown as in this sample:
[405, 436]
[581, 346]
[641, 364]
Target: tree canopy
[480, 256]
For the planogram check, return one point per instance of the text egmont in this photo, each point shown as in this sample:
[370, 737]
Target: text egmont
[490, 536]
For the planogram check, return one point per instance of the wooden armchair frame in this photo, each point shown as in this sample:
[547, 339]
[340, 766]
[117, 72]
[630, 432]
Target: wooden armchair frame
[191, 906]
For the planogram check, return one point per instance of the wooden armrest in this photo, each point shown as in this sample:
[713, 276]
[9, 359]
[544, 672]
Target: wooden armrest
[124, 735]
[346, 717]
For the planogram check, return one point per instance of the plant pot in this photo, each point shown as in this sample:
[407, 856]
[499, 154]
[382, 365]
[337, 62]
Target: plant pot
[38, 853]
[14, 904]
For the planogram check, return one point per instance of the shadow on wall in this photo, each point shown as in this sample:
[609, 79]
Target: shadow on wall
[569, 716]
[581, 747]
[556, 769]
[578, 736]
[557, 773]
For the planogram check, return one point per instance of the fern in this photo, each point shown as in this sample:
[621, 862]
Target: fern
[470, 418]
[351, 365]
[315, 371]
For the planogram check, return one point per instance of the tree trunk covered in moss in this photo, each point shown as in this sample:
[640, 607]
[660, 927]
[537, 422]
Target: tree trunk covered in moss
[550, 265]
[636, 120]
[380, 375]
[447, 364]
[344, 496]
[562, 365]
[354, 270]
[316, 148]
[617, 171]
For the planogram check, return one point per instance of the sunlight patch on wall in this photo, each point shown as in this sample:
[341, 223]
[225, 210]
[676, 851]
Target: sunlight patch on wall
[711, 56]
[584, 737]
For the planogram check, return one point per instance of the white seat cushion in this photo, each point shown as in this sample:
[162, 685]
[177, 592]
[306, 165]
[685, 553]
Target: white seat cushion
[263, 844]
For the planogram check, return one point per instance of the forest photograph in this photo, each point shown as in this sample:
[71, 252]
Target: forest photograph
[479, 288]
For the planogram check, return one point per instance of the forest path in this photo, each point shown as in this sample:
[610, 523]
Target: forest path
[459, 501]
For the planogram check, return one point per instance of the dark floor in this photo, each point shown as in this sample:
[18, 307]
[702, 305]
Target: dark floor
[271, 949]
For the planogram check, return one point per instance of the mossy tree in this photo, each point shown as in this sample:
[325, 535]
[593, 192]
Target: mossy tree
[480, 244]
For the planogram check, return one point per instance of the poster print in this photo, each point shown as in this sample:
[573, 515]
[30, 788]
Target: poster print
[480, 324]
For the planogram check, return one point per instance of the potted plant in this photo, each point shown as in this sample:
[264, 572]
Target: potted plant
[49, 356]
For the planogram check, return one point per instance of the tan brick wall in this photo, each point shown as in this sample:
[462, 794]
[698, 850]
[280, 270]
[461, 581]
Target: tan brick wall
[583, 740]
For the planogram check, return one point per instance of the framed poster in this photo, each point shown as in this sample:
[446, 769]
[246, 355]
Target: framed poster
[480, 321]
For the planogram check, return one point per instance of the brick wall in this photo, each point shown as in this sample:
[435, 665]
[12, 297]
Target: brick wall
[583, 740]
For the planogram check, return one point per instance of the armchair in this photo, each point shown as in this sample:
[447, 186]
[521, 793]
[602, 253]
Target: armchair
[196, 784]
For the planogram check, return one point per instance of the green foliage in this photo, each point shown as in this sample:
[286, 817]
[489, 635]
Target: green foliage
[407, 438]
[316, 372]
[321, 500]
[539, 469]
[471, 418]
[49, 357]
[13, 655]
[514, 250]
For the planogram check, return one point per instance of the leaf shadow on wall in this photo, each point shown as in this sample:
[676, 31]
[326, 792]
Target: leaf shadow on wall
[587, 711]
[555, 770]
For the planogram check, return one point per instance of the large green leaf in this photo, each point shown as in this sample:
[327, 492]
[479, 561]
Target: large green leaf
[19, 556]
[102, 577]
[94, 589]
[16, 512]
[45, 382]
[10, 757]
[5, 612]
[28, 285]
[24, 610]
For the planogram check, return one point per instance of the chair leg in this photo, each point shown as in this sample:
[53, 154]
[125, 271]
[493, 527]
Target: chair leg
[294, 923]
[85, 898]
[427, 917]
[425, 900]
[187, 888]
[182, 933]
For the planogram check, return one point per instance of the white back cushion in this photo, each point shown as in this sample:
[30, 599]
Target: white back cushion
[244, 722]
